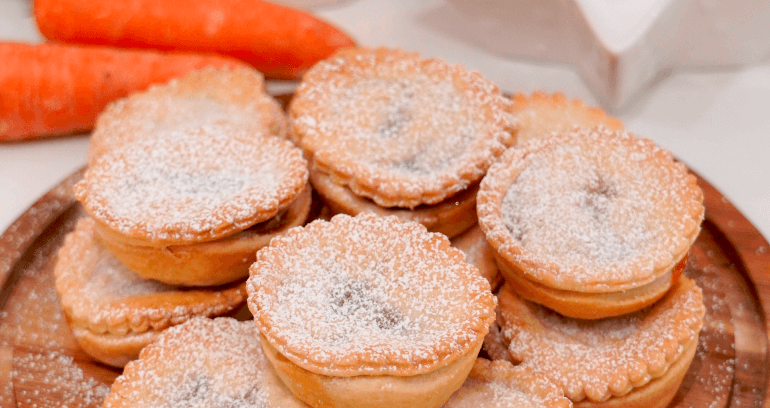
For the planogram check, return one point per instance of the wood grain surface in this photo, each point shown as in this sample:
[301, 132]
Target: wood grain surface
[42, 366]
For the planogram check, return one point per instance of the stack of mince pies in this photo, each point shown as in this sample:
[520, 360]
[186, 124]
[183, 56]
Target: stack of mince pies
[562, 284]
[393, 133]
[176, 210]
[591, 228]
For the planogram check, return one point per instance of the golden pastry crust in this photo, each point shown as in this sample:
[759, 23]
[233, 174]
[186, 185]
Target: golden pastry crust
[450, 217]
[427, 390]
[207, 263]
[597, 360]
[201, 187]
[493, 384]
[478, 252]
[210, 97]
[368, 296]
[113, 350]
[113, 312]
[397, 128]
[206, 363]
[590, 211]
[541, 114]
[587, 305]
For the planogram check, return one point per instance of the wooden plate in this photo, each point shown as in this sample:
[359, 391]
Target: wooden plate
[42, 366]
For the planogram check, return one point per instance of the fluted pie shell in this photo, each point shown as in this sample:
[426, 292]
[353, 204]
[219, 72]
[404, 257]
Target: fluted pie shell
[114, 313]
[539, 114]
[185, 210]
[397, 128]
[636, 360]
[202, 363]
[591, 223]
[222, 97]
[367, 301]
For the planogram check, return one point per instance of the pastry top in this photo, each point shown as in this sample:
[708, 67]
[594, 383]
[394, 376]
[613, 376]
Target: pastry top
[197, 188]
[202, 363]
[397, 128]
[368, 295]
[590, 210]
[493, 384]
[101, 295]
[209, 97]
[541, 114]
[598, 359]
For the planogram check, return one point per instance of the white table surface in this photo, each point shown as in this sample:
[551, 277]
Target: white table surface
[716, 121]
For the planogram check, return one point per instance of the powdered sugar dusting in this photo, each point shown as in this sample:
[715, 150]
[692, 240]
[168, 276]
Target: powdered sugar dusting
[174, 114]
[387, 132]
[111, 279]
[493, 394]
[368, 295]
[210, 97]
[391, 121]
[50, 379]
[200, 364]
[592, 359]
[499, 384]
[592, 207]
[592, 333]
[32, 316]
[199, 187]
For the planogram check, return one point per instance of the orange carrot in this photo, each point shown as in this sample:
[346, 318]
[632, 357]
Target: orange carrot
[52, 89]
[279, 41]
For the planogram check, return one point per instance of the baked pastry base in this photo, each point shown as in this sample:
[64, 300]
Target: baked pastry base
[113, 350]
[450, 217]
[587, 305]
[116, 350]
[428, 390]
[205, 264]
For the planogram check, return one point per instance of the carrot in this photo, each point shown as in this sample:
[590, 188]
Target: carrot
[53, 89]
[279, 41]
